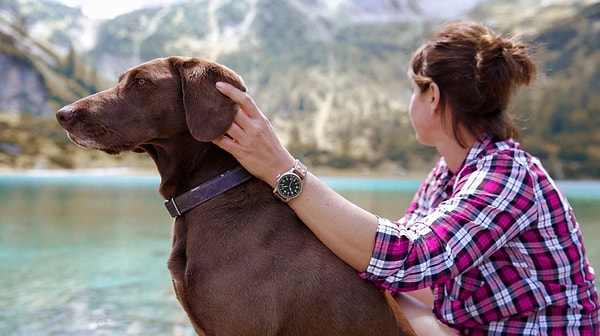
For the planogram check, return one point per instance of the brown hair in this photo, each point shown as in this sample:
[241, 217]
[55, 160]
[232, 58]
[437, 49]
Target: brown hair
[477, 72]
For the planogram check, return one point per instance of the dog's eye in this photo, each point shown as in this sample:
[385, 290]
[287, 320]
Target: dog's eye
[141, 81]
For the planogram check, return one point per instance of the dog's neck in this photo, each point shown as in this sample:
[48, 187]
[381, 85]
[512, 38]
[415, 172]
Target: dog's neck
[187, 163]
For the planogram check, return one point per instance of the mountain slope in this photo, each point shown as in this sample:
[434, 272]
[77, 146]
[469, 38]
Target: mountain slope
[329, 74]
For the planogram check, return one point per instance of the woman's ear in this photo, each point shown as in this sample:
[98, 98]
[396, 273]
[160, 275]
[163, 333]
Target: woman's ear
[434, 97]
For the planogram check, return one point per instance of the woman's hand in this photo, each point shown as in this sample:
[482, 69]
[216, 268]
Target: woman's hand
[346, 229]
[251, 139]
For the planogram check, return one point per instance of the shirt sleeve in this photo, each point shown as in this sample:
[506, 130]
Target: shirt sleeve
[492, 203]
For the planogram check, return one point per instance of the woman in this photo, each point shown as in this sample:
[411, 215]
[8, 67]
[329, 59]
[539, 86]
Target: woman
[489, 244]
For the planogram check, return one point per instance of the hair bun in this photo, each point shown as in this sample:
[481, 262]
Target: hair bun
[491, 48]
[503, 59]
[494, 42]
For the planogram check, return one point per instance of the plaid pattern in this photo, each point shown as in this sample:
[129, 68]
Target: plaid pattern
[499, 245]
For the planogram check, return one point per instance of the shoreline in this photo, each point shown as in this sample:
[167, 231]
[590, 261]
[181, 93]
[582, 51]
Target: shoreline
[325, 172]
[584, 190]
[129, 171]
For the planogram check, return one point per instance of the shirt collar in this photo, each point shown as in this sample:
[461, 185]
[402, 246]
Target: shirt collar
[479, 149]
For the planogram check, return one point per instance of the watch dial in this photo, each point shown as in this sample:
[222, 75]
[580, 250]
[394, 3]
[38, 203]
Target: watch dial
[289, 185]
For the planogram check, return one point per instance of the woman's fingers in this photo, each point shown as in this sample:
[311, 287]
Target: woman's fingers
[241, 98]
[230, 140]
[224, 142]
[235, 132]
[251, 138]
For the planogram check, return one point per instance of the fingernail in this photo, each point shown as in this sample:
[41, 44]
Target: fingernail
[220, 85]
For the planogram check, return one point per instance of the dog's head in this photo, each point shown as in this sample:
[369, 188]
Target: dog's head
[153, 102]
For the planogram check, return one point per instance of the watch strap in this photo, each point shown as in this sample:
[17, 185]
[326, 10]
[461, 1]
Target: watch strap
[300, 169]
[278, 195]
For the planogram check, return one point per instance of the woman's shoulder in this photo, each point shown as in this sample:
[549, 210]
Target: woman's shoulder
[507, 151]
[502, 161]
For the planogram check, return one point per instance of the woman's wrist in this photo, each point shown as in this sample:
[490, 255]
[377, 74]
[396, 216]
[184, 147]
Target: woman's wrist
[281, 167]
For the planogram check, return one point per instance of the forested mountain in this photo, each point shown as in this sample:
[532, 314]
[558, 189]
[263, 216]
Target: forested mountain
[331, 75]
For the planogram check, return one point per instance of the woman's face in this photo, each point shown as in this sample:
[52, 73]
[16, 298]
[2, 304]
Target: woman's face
[420, 114]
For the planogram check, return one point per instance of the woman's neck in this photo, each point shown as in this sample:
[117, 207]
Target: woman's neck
[453, 153]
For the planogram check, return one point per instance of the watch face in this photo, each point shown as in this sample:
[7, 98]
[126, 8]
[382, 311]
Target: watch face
[289, 185]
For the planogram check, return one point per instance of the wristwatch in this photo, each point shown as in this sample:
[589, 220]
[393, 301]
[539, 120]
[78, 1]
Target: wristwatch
[289, 184]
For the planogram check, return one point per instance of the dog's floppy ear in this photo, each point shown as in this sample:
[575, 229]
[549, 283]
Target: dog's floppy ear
[208, 112]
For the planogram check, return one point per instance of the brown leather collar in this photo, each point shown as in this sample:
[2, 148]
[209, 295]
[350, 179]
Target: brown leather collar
[190, 199]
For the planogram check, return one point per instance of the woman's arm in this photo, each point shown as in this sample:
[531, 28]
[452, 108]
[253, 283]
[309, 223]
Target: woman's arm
[343, 227]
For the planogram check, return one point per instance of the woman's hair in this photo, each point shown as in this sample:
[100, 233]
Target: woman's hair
[477, 71]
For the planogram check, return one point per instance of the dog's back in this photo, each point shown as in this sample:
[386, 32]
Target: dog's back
[244, 264]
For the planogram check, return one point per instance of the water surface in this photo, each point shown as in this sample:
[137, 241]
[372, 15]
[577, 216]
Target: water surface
[86, 254]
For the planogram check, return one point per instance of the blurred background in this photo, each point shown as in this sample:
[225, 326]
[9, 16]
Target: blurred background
[331, 75]
[83, 235]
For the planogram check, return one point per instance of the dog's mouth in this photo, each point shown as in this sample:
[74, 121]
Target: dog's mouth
[99, 138]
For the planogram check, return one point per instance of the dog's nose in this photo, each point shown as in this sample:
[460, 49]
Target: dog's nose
[65, 115]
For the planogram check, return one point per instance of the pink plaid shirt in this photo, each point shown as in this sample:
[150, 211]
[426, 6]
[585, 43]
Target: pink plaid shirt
[499, 245]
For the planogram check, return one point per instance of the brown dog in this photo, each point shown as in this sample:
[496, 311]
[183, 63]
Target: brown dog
[242, 263]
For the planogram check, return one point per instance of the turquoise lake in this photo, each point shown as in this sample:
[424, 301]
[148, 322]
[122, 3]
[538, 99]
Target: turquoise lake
[86, 254]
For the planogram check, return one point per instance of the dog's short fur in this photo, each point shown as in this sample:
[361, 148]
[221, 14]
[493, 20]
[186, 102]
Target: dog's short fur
[242, 263]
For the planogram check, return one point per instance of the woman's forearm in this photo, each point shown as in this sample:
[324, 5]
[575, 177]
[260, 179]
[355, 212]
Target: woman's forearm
[346, 229]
